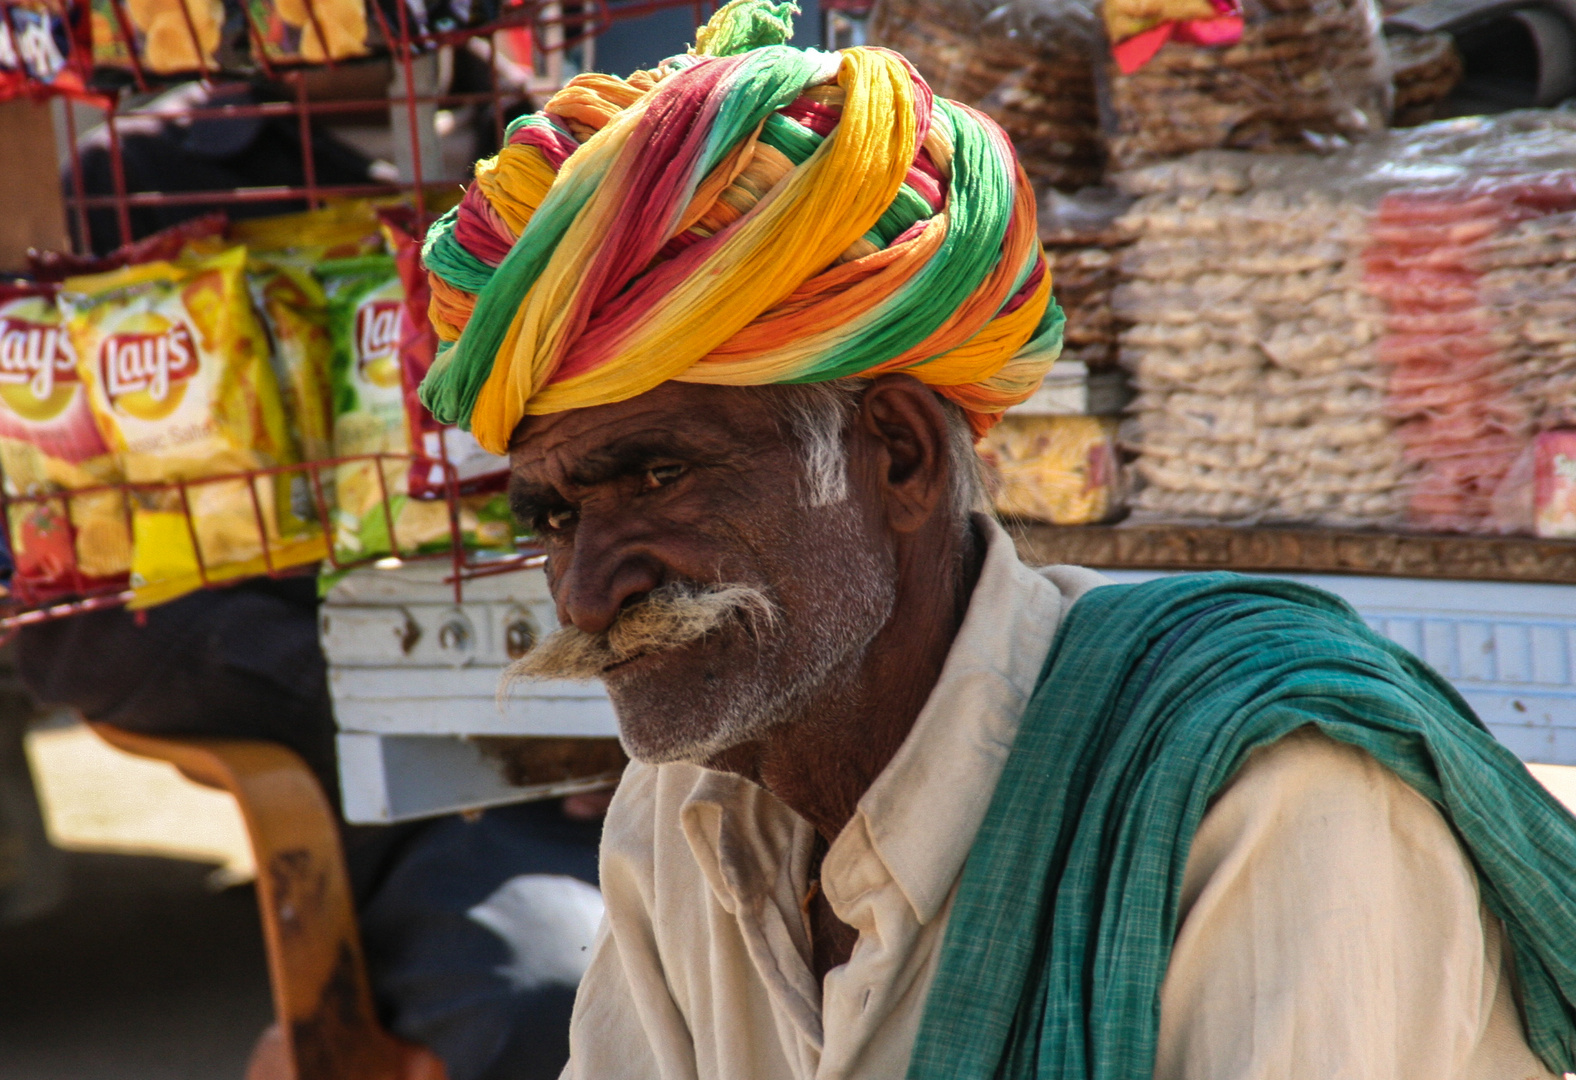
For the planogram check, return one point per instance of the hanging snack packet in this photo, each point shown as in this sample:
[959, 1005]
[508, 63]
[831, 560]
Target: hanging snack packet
[295, 312]
[366, 304]
[340, 230]
[12, 79]
[311, 30]
[49, 443]
[294, 309]
[177, 373]
[168, 36]
[48, 43]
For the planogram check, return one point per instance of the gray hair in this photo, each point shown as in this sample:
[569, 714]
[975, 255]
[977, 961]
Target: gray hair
[817, 416]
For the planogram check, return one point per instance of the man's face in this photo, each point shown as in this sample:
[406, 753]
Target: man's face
[691, 485]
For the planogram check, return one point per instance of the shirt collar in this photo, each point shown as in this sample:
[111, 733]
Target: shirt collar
[922, 813]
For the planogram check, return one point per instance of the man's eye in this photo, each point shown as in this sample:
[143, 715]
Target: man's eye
[662, 475]
[558, 519]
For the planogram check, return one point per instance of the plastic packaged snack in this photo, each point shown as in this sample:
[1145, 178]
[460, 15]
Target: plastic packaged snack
[1060, 469]
[1425, 68]
[177, 372]
[50, 443]
[199, 236]
[1555, 497]
[340, 230]
[365, 302]
[1252, 343]
[168, 36]
[1026, 63]
[311, 31]
[293, 308]
[370, 322]
[47, 48]
[290, 299]
[13, 80]
[1306, 75]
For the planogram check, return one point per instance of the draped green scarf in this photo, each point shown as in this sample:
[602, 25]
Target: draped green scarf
[1151, 698]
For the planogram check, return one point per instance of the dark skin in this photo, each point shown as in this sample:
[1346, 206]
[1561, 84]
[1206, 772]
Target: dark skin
[695, 482]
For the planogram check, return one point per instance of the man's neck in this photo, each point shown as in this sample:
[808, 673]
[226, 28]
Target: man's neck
[821, 766]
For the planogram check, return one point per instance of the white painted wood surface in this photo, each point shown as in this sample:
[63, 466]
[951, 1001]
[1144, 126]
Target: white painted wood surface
[414, 676]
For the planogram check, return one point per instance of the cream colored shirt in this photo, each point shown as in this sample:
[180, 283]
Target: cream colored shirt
[1330, 927]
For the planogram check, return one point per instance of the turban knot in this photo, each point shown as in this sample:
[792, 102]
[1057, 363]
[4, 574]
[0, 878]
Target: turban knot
[746, 214]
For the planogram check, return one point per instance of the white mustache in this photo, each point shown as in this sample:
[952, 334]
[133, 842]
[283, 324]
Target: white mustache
[669, 617]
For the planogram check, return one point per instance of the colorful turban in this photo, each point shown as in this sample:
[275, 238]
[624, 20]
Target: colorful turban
[747, 214]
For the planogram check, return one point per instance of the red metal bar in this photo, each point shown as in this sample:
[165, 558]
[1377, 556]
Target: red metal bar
[78, 185]
[323, 517]
[308, 152]
[388, 508]
[317, 27]
[117, 166]
[128, 37]
[508, 565]
[238, 195]
[496, 98]
[262, 525]
[79, 580]
[60, 611]
[290, 108]
[191, 529]
[191, 32]
[412, 127]
[451, 488]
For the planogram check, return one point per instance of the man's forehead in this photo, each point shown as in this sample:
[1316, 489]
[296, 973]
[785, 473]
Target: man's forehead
[680, 417]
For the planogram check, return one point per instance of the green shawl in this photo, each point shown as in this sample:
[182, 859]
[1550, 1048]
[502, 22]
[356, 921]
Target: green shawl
[1151, 698]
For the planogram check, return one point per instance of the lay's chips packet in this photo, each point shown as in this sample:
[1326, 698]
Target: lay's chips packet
[49, 443]
[177, 373]
[367, 317]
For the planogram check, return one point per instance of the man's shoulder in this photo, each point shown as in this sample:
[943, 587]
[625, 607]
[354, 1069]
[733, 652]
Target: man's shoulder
[1071, 581]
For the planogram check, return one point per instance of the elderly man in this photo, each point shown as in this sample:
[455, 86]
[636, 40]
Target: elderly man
[900, 804]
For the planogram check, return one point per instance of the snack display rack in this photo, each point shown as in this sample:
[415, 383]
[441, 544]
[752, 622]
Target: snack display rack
[538, 34]
[547, 30]
[30, 604]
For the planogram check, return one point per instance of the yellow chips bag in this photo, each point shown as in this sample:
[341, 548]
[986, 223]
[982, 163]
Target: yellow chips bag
[177, 373]
[50, 443]
[293, 308]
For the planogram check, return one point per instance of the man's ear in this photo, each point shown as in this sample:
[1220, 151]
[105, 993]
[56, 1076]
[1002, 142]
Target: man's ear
[904, 424]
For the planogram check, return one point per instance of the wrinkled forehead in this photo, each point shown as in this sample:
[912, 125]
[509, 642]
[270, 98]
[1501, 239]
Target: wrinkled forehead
[687, 421]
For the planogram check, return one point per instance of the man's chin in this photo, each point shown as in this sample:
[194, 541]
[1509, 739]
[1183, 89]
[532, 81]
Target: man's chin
[665, 720]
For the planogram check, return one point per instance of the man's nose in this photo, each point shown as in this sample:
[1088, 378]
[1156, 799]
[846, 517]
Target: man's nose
[602, 574]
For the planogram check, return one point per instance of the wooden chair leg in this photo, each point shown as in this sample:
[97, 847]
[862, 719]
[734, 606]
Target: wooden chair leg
[326, 1026]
